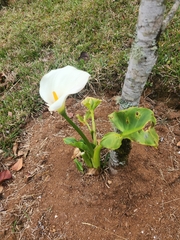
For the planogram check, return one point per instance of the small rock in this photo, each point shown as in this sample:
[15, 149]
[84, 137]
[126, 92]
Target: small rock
[109, 182]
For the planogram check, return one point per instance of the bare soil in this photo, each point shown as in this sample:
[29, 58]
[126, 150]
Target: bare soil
[49, 199]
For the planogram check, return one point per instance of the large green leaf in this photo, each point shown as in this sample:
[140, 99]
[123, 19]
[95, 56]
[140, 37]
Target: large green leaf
[132, 119]
[136, 124]
[111, 140]
[148, 137]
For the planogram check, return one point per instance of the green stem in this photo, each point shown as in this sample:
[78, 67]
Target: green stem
[63, 113]
[96, 156]
[88, 126]
[93, 128]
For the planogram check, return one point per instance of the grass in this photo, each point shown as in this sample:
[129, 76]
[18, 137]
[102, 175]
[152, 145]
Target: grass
[37, 36]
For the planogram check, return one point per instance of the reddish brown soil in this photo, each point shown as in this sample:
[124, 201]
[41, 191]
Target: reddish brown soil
[50, 199]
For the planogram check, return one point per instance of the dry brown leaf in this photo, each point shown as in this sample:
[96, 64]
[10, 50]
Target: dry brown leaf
[9, 158]
[20, 153]
[92, 172]
[1, 189]
[178, 144]
[76, 153]
[18, 165]
[4, 175]
[15, 148]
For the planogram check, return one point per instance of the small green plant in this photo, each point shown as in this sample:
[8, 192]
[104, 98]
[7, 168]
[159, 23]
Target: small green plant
[90, 151]
[135, 124]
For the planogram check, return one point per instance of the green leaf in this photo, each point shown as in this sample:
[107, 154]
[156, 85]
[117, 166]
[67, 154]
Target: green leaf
[148, 137]
[73, 142]
[87, 159]
[84, 119]
[91, 103]
[136, 124]
[132, 119]
[78, 165]
[80, 118]
[87, 115]
[111, 140]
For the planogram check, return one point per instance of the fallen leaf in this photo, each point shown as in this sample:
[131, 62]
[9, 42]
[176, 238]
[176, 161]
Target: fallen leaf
[20, 153]
[15, 148]
[178, 144]
[4, 175]
[9, 158]
[76, 153]
[1, 189]
[18, 165]
[92, 172]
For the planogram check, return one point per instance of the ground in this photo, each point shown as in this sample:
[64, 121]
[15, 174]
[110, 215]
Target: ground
[49, 199]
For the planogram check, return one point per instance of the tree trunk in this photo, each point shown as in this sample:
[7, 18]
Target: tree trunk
[142, 59]
[143, 54]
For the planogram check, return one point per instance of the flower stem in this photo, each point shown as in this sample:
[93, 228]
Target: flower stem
[78, 130]
[93, 128]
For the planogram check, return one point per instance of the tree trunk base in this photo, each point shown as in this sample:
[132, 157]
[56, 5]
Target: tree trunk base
[119, 157]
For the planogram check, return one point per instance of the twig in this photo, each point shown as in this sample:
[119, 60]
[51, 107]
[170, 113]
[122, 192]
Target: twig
[170, 14]
[176, 199]
[91, 225]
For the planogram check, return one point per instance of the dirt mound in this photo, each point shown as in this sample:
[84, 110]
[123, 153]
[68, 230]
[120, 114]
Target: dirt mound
[50, 199]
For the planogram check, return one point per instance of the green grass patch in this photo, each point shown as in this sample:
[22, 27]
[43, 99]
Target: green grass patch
[37, 36]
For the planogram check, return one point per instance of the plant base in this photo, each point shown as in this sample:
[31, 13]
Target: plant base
[119, 157]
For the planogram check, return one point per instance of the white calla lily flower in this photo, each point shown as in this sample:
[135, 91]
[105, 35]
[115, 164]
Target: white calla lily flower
[58, 84]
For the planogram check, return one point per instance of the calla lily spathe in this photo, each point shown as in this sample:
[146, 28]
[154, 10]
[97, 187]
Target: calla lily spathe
[58, 84]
